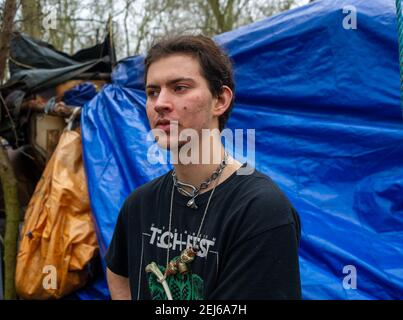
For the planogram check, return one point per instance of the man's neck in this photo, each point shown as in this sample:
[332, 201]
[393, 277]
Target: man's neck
[195, 174]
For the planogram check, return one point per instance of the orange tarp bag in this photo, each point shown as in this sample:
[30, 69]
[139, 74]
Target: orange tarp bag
[58, 238]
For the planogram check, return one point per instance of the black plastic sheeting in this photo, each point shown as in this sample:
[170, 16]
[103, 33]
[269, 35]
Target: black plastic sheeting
[36, 65]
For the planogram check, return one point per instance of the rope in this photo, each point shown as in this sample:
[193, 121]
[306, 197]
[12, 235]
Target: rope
[19, 63]
[400, 34]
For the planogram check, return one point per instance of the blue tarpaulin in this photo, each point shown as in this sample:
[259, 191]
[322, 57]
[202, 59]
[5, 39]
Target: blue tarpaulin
[80, 94]
[324, 102]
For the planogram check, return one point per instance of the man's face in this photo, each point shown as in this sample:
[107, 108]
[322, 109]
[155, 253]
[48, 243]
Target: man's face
[177, 92]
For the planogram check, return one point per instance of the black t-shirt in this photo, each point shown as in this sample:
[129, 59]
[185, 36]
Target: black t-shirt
[248, 247]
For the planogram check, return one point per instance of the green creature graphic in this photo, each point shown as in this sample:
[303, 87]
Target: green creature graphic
[187, 286]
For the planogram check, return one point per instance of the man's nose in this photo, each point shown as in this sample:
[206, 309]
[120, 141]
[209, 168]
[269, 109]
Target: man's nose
[163, 102]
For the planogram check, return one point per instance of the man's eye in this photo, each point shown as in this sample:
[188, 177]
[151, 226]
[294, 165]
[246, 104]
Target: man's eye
[152, 93]
[180, 88]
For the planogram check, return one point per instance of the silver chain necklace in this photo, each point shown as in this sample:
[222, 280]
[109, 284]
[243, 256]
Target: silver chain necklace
[196, 190]
[188, 255]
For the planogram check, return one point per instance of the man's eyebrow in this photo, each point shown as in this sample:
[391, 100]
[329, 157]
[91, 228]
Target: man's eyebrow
[180, 79]
[171, 82]
[152, 86]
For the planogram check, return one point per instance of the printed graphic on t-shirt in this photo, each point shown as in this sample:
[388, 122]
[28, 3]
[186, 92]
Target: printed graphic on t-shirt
[183, 285]
[188, 286]
[161, 238]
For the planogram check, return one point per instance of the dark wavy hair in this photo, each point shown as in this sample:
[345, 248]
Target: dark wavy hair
[215, 65]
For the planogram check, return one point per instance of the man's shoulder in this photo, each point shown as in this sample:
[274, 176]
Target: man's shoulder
[268, 205]
[261, 184]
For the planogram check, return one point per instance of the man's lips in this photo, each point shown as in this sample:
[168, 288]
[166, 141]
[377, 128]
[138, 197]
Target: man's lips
[165, 124]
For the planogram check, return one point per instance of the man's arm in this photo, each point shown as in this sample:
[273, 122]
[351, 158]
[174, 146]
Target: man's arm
[118, 286]
[117, 260]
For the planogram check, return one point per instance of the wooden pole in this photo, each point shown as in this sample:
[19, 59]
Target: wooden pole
[12, 208]
[7, 177]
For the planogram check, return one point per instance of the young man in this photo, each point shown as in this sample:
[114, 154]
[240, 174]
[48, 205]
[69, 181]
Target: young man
[201, 231]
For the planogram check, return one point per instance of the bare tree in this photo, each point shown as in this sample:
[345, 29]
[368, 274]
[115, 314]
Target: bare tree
[31, 18]
[137, 23]
[209, 17]
[9, 12]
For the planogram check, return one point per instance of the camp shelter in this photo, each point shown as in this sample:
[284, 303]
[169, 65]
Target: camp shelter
[324, 102]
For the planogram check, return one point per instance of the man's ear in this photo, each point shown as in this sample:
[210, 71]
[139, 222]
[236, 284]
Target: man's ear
[223, 101]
